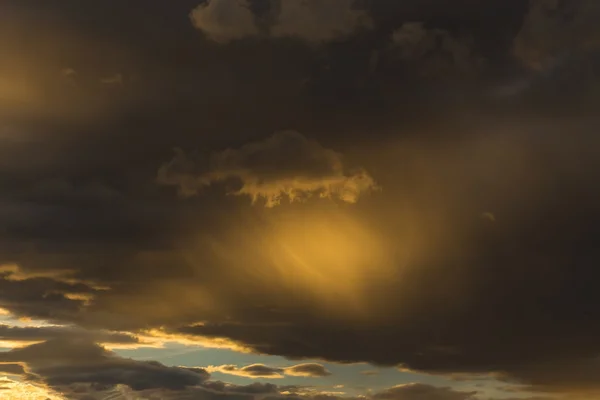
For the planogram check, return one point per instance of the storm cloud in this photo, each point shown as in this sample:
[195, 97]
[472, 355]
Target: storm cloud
[412, 220]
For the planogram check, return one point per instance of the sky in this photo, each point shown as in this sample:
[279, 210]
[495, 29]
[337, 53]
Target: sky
[299, 200]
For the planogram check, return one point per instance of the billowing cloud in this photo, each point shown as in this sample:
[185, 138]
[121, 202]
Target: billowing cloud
[285, 165]
[311, 20]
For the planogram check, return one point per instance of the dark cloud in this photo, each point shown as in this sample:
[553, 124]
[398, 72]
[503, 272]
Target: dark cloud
[553, 30]
[411, 391]
[66, 361]
[286, 165]
[44, 333]
[79, 369]
[307, 369]
[435, 53]
[411, 276]
[450, 328]
[12, 369]
[47, 295]
[422, 391]
[313, 21]
[210, 390]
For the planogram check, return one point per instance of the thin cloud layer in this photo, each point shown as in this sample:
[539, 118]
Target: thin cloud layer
[285, 165]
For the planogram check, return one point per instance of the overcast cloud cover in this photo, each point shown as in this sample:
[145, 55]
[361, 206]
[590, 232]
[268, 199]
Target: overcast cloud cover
[405, 186]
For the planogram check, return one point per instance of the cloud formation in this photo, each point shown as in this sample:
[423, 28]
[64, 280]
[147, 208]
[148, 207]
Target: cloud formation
[11, 369]
[51, 295]
[43, 333]
[285, 165]
[80, 369]
[438, 306]
[311, 20]
[308, 370]
[422, 391]
[249, 371]
[63, 362]
[414, 277]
